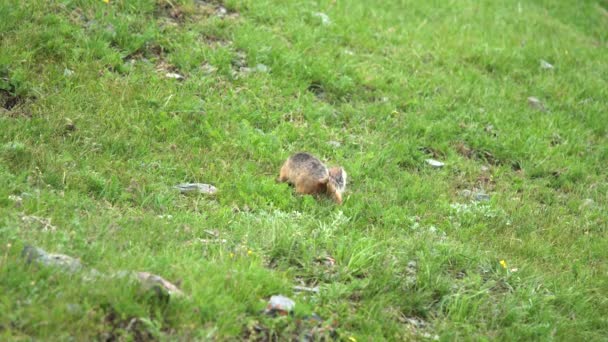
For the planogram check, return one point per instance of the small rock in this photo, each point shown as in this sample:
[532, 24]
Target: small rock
[74, 309]
[587, 203]
[481, 197]
[208, 241]
[17, 199]
[69, 125]
[38, 255]
[414, 321]
[545, 65]
[324, 18]
[478, 196]
[465, 193]
[214, 233]
[429, 336]
[484, 168]
[435, 163]
[240, 59]
[262, 68]
[306, 289]
[174, 76]
[326, 261]
[67, 72]
[151, 281]
[221, 11]
[411, 272]
[187, 188]
[208, 68]
[280, 305]
[44, 223]
[536, 103]
[334, 143]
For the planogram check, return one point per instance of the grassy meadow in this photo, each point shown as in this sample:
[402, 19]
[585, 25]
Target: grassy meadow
[105, 106]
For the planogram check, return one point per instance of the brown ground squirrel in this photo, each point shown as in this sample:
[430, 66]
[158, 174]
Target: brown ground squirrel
[311, 176]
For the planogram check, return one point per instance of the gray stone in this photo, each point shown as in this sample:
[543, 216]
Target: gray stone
[435, 163]
[280, 305]
[334, 143]
[587, 203]
[188, 188]
[262, 68]
[324, 18]
[174, 76]
[545, 65]
[151, 281]
[535, 103]
[306, 289]
[481, 197]
[61, 261]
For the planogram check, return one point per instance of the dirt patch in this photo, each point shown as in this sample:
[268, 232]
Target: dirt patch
[307, 328]
[317, 89]
[200, 9]
[484, 155]
[124, 328]
[11, 103]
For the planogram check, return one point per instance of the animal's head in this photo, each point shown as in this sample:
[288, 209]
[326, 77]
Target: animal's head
[337, 183]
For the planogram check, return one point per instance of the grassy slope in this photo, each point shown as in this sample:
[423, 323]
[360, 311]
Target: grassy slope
[399, 82]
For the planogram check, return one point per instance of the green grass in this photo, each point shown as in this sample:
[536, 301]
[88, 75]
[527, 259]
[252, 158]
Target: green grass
[95, 136]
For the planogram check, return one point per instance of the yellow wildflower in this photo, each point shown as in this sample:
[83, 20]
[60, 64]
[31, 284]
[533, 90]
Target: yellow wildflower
[503, 264]
[249, 252]
[352, 339]
[231, 255]
[106, 1]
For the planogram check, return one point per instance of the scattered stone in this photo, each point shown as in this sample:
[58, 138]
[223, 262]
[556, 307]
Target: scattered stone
[465, 193]
[69, 125]
[324, 18]
[414, 321]
[262, 68]
[44, 223]
[188, 188]
[435, 163]
[326, 261]
[154, 282]
[312, 328]
[38, 255]
[208, 241]
[280, 305]
[429, 336]
[174, 76]
[545, 65]
[536, 103]
[67, 72]
[411, 272]
[587, 203]
[208, 68]
[214, 233]
[17, 199]
[481, 197]
[240, 59]
[306, 289]
[221, 11]
[74, 309]
[334, 143]
[484, 168]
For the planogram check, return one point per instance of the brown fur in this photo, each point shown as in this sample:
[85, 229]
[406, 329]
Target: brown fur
[311, 176]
